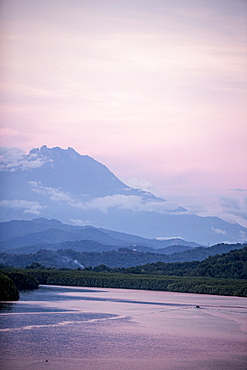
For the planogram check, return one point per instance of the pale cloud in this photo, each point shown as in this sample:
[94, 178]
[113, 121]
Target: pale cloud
[26, 205]
[143, 184]
[239, 189]
[55, 194]
[168, 238]
[230, 208]
[236, 206]
[80, 222]
[130, 202]
[219, 231]
[10, 157]
[14, 158]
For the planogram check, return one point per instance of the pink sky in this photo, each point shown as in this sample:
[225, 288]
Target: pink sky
[154, 89]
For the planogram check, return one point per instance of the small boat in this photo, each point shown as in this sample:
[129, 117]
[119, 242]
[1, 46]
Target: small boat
[197, 306]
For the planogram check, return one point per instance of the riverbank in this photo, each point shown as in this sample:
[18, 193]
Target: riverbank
[183, 284]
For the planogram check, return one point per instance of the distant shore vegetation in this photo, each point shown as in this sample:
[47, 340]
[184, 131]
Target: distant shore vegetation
[224, 274]
[8, 290]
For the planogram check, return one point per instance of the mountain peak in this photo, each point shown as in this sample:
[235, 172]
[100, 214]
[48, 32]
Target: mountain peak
[44, 150]
[61, 184]
[53, 170]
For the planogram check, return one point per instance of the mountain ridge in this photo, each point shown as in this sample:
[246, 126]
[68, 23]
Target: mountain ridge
[76, 189]
[123, 257]
[45, 233]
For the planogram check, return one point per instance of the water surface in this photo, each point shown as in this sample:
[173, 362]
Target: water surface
[57, 327]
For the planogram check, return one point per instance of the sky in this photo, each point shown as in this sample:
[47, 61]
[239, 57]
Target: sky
[154, 89]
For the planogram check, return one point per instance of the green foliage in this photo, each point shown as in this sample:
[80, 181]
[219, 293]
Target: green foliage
[22, 279]
[232, 265]
[8, 290]
[184, 284]
[34, 265]
[102, 268]
[221, 274]
[123, 258]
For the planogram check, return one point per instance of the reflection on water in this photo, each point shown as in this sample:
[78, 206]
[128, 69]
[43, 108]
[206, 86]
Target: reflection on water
[79, 328]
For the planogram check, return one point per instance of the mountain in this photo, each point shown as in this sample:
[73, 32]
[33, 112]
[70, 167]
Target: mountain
[75, 189]
[123, 257]
[30, 236]
[61, 176]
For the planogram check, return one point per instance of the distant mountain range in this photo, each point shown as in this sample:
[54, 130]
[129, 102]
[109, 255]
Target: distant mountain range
[54, 244]
[123, 257]
[40, 233]
[77, 190]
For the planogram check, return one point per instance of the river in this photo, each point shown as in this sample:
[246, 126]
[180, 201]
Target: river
[60, 328]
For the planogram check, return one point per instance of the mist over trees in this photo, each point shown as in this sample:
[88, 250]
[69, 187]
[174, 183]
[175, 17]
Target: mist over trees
[122, 258]
[224, 274]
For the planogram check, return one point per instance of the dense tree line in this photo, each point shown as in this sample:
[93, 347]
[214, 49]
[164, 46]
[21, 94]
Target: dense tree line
[224, 274]
[22, 279]
[8, 289]
[227, 265]
[11, 281]
[185, 284]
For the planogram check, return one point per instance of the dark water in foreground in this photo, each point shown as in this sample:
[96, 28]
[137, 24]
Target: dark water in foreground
[94, 328]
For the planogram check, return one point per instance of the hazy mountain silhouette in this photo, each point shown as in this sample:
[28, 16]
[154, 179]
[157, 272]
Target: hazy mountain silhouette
[40, 233]
[76, 189]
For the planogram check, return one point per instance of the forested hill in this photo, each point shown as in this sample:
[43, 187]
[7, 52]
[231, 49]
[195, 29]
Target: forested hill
[222, 274]
[124, 257]
[228, 265]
